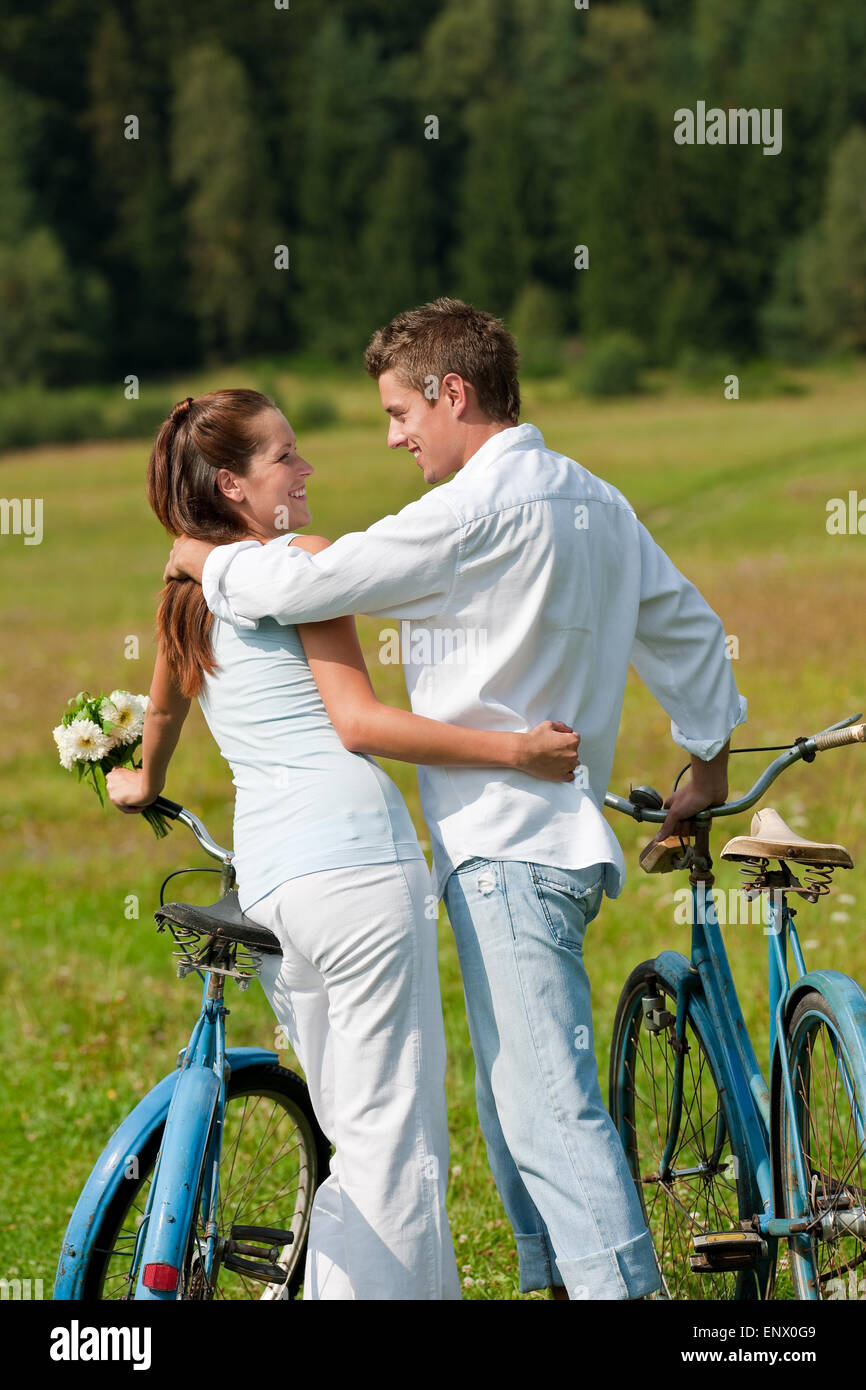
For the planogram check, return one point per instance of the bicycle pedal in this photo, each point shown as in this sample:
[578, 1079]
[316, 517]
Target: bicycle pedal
[664, 856]
[246, 1247]
[262, 1270]
[274, 1235]
[722, 1250]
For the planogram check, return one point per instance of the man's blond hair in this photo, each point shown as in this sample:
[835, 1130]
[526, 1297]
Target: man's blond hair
[423, 345]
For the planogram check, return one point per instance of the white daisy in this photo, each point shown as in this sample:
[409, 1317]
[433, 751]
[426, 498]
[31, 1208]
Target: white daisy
[64, 746]
[87, 742]
[109, 714]
[128, 716]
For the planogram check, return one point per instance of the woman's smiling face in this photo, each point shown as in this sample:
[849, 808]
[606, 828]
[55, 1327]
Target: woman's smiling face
[272, 498]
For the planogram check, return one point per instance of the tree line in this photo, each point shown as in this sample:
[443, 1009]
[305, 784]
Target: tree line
[183, 183]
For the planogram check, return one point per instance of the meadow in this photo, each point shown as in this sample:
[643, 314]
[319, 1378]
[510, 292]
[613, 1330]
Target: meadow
[92, 1016]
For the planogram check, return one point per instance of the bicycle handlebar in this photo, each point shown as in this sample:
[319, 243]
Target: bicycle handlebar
[837, 735]
[828, 739]
[175, 811]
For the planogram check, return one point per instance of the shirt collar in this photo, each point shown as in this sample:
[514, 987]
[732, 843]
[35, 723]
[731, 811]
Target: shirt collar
[499, 444]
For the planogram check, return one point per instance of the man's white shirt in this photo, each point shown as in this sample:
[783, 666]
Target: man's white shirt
[522, 590]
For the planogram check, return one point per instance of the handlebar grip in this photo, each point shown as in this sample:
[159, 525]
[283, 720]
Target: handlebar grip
[835, 738]
[172, 809]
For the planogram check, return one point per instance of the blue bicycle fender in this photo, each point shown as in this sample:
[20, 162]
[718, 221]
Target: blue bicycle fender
[110, 1168]
[673, 965]
[847, 1000]
[174, 1196]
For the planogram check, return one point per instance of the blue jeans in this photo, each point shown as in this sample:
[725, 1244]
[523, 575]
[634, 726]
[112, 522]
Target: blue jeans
[556, 1157]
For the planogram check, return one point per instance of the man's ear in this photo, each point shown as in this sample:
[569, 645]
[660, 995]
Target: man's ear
[455, 391]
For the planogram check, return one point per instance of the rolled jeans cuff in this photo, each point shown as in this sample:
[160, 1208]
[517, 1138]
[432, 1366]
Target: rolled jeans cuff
[536, 1263]
[630, 1271]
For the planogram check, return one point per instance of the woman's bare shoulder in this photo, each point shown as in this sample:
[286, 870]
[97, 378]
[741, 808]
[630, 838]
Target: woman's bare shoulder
[311, 543]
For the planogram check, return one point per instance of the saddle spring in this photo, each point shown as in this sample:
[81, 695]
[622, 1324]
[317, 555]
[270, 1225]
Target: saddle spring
[817, 879]
[198, 951]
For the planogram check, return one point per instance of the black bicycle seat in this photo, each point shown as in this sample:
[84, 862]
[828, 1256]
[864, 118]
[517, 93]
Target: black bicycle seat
[222, 919]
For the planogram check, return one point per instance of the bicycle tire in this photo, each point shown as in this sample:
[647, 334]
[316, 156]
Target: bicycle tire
[108, 1253]
[824, 1263]
[718, 1199]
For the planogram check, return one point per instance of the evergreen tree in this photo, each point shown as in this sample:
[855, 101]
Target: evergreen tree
[833, 258]
[345, 149]
[142, 215]
[554, 77]
[397, 242]
[492, 253]
[18, 118]
[52, 320]
[623, 155]
[310, 127]
[236, 293]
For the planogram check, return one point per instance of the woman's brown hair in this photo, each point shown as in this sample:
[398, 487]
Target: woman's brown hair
[199, 438]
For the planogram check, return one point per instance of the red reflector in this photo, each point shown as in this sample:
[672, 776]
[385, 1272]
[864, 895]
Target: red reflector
[161, 1277]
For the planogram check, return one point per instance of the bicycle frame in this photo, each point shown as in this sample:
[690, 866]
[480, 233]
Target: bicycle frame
[707, 974]
[743, 1078]
[173, 1139]
[190, 1102]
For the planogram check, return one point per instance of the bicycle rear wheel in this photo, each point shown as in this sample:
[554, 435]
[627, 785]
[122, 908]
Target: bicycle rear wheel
[828, 1261]
[710, 1184]
[274, 1156]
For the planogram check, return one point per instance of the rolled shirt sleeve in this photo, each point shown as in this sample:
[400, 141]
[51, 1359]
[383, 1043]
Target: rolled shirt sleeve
[679, 652]
[403, 566]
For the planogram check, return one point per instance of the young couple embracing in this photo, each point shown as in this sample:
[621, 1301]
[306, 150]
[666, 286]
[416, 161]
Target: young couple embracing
[551, 564]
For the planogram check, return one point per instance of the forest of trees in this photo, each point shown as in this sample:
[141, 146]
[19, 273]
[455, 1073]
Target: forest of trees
[308, 127]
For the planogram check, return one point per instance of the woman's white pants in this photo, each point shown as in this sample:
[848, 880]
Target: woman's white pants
[357, 991]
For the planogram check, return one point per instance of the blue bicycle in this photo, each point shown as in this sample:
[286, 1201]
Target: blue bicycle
[206, 1188]
[725, 1164]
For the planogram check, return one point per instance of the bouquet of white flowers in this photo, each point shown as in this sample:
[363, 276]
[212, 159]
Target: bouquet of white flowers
[100, 732]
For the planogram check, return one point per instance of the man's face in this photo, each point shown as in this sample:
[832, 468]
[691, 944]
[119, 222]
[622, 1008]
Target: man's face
[428, 429]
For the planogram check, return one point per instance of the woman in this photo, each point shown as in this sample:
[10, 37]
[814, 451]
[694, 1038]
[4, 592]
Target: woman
[325, 851]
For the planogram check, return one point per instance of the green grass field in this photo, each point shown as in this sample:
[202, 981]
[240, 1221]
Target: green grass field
[92, 1015]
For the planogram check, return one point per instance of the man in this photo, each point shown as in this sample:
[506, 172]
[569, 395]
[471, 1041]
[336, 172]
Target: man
[528, 585]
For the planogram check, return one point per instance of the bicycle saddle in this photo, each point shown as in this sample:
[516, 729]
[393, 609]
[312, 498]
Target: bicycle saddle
[223, 920]
[771, 838]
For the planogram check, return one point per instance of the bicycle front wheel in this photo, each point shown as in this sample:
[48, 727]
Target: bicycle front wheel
[709, 1187]
[274, 1156]
[828, 1126]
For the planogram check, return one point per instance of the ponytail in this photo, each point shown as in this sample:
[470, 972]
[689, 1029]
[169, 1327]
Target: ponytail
[197, 439]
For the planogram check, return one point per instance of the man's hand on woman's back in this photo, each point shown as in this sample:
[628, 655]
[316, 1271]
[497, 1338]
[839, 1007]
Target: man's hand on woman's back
[550, 751]
[187, 558]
